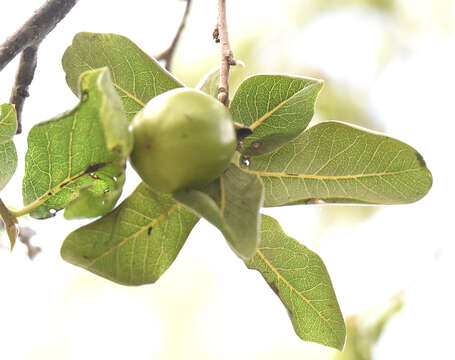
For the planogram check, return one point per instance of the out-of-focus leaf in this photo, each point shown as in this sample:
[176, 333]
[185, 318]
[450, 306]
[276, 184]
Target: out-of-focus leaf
[336, 162]
[135, 243]
[232, 204]
[136, 76]
[8, 155]
[9, 223]
[276, 107]
[364, 330]
[210, 83]
[345, 104]
[300, 279]
[80, 153]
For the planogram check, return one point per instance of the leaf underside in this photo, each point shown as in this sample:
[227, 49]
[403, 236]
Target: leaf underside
[79, 154]
[300, 279]
[135, 243]
[336, 162]
[232, 204]
[136, 76]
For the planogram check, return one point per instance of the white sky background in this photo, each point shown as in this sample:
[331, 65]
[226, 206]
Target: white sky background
[207, 305]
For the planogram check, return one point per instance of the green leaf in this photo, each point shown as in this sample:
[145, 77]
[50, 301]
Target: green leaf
[8, 122]
[135, 243]
[276, 107]
[9, 222]
[80, 153]
[365, 329]
[8, 162]
[8, 155]
[136, 76]
[231, 203]
[336, 162]
[210, 83]
[99, 197]
[300, 279]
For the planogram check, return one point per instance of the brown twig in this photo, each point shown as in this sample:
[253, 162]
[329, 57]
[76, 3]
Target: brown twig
[35, 29]
[168, 54]
[26, 41]
[227, 57]
[24, 77]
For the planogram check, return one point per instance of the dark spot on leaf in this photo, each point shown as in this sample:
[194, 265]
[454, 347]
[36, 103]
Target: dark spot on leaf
[93, 168]
[256, 145]
[291, 174]
[148, 145]
[49, 194]
[149, 230]
[64, 184]
[85, 257]
[242, 133]
[274, 288]
[420, 160]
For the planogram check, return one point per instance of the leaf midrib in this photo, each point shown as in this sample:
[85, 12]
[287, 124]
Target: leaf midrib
[152, 223]
[293, 289]
[127, 93]
[264, 117]
[329, 177]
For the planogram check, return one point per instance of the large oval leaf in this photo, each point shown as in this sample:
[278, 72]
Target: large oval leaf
[276, 107]
[336, 162]
[300, 279]
[231, 203]
[135, 243]
[136, 76]
[80, 153]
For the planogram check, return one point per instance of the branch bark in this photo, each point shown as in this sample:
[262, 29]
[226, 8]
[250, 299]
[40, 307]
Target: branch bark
[24, 78]
[35, 29]
[227, 57]
[168, 54]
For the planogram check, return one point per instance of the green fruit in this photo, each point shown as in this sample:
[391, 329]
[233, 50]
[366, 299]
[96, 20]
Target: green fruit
[182, 138]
